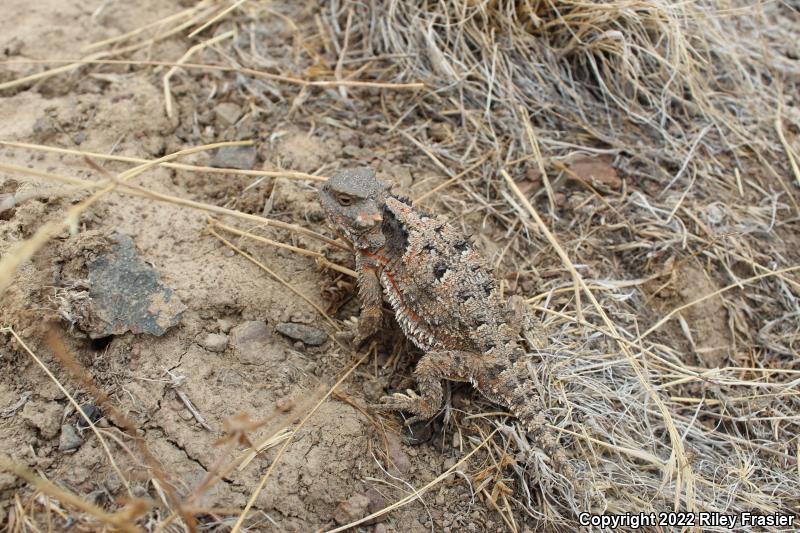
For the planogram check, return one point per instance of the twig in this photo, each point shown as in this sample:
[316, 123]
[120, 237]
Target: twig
[199, 66]
[291, 174]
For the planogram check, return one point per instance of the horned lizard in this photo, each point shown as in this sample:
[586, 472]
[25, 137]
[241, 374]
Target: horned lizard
[445, 299]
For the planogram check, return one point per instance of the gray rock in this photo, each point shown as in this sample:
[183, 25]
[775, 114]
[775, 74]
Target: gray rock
[302, 332]
[70, 440]
[92, 412]
[241, 157]
[215, 342]
[124, 293]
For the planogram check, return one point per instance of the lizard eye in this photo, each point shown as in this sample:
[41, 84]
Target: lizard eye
[344, 200]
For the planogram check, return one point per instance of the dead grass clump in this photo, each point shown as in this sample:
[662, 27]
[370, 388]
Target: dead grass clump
[681, 99]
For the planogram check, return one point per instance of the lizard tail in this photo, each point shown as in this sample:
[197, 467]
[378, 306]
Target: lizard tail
[527, 406]
[534, 420]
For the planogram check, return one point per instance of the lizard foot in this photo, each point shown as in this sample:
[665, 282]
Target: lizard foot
[410, 402]
[358, 330]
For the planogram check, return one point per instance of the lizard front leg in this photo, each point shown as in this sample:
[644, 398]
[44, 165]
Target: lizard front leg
[431, 370]
[371, 295]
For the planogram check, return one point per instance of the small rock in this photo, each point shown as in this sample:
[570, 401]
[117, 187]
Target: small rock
[302, 332]
[46, 417]
[227, 113]
[215, 342]
[251, 340]
[70, 440]
[351, 509]
[225, 325]
[241, 157]
[92, 412]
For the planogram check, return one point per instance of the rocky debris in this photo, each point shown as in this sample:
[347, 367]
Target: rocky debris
[44, 416]
[302, 332]
[241, 157]
[351, 509]
[227, 113]
[92, 412]
[109, 290]
[250, 341]
[215, 342]
[69, 440]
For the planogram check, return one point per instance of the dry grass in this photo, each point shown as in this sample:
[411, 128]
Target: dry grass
[687, 99]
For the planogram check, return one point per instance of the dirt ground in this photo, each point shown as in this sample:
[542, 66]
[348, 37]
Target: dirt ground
[339, 449]
[226, 356]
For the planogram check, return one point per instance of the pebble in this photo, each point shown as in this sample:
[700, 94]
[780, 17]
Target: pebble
[225, 325]
[241, 157]
[351, 509]
[69, 440]
[400, 463]
[227, 113]
[91, 411]
[215, 342]
[302, 332]
[251, 340]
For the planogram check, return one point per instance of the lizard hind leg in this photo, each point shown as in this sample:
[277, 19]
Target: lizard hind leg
[523, 322]
[434, 367]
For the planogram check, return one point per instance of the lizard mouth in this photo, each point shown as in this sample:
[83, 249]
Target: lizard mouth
[365, 221]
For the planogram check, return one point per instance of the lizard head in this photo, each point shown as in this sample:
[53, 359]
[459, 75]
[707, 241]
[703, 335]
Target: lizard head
[353, 202]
